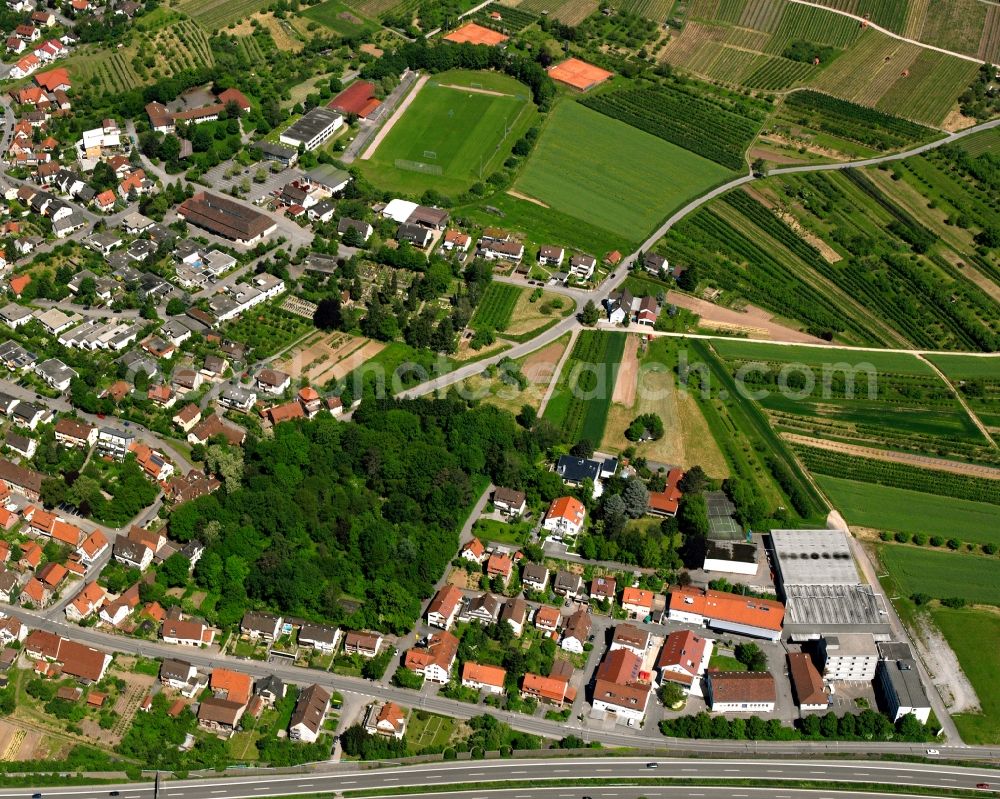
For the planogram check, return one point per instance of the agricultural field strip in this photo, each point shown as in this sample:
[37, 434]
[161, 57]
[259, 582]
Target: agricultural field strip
[694, 205]
[890, 33]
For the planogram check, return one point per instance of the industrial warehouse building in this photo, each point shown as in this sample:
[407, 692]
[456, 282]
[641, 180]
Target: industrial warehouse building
[312, 129]
[823, 592]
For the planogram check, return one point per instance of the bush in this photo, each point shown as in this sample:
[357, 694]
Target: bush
[937, 541]
[902, 538]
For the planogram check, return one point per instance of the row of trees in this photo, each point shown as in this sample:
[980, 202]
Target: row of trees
[868, 725]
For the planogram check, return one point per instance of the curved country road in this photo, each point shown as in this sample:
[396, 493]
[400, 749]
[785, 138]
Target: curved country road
[443, 381]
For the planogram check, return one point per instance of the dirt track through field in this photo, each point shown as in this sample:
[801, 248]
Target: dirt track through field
[526, 198]
[923, 461]
[396, 116]
[628, 374]
[752, 319]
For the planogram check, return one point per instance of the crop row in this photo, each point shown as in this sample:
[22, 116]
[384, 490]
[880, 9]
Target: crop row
[900, 475]
[591, 387]
[889, 14]
[763, 15]
[804, 23]
[895, 288]
[513, 20]
[778, 73]
[496, 307]
[749, 267]
[682, 119]
[854, 122]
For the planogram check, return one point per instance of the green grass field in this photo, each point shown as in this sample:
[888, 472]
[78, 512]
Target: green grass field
[974, 636]
[900, 509]
[611, 175]
[449, 138]
[496, 307]
[338, 17]
[579, 405]
[896, 362]
[966, 367]
[539, 225]
[942, 574]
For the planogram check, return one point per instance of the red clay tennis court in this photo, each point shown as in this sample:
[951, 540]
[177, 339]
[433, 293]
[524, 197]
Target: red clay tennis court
[471, 33]
[579, 74]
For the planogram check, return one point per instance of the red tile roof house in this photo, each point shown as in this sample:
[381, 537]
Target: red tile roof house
[388, 720]
[481, 677]
[603, 588]
[621, 688]
[683, 659]
[86, 603]
[433, 661]
[547, 618]
[35, 594]
[186, 632]
[500, 565]
[474, 551]
[443, 609]
[740, 692]
[637, 602]
[553, 690]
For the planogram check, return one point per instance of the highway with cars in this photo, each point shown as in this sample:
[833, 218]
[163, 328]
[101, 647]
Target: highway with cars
[608, 770]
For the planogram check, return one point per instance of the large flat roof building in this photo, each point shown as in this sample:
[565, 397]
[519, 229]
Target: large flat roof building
[822, 588]
[312, 129]
[227, 218]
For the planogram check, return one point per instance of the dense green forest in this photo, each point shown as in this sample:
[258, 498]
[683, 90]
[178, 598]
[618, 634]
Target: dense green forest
[354, 523]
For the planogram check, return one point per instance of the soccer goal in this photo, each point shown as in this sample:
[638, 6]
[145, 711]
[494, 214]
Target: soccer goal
[418, 166]
[430, 154]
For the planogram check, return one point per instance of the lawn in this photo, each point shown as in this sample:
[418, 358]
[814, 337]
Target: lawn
[449, 138]
[394, 368]
[942, 574]
[889, 508]
[539, 225]
[579, 406]
[533, 313]
[974, 636]
[611, 175]
[335, 15]
[725, 663]
[491, 530]
[427, 729]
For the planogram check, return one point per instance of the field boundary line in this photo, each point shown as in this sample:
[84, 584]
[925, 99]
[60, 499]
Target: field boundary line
[961, 400]
[474, 90]
[396, 116]
[888, 32]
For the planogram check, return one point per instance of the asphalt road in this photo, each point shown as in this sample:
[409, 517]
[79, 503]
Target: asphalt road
[608, 770]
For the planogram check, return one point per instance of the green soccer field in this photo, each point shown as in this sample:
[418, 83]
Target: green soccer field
[612, 175]
[449, 138]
